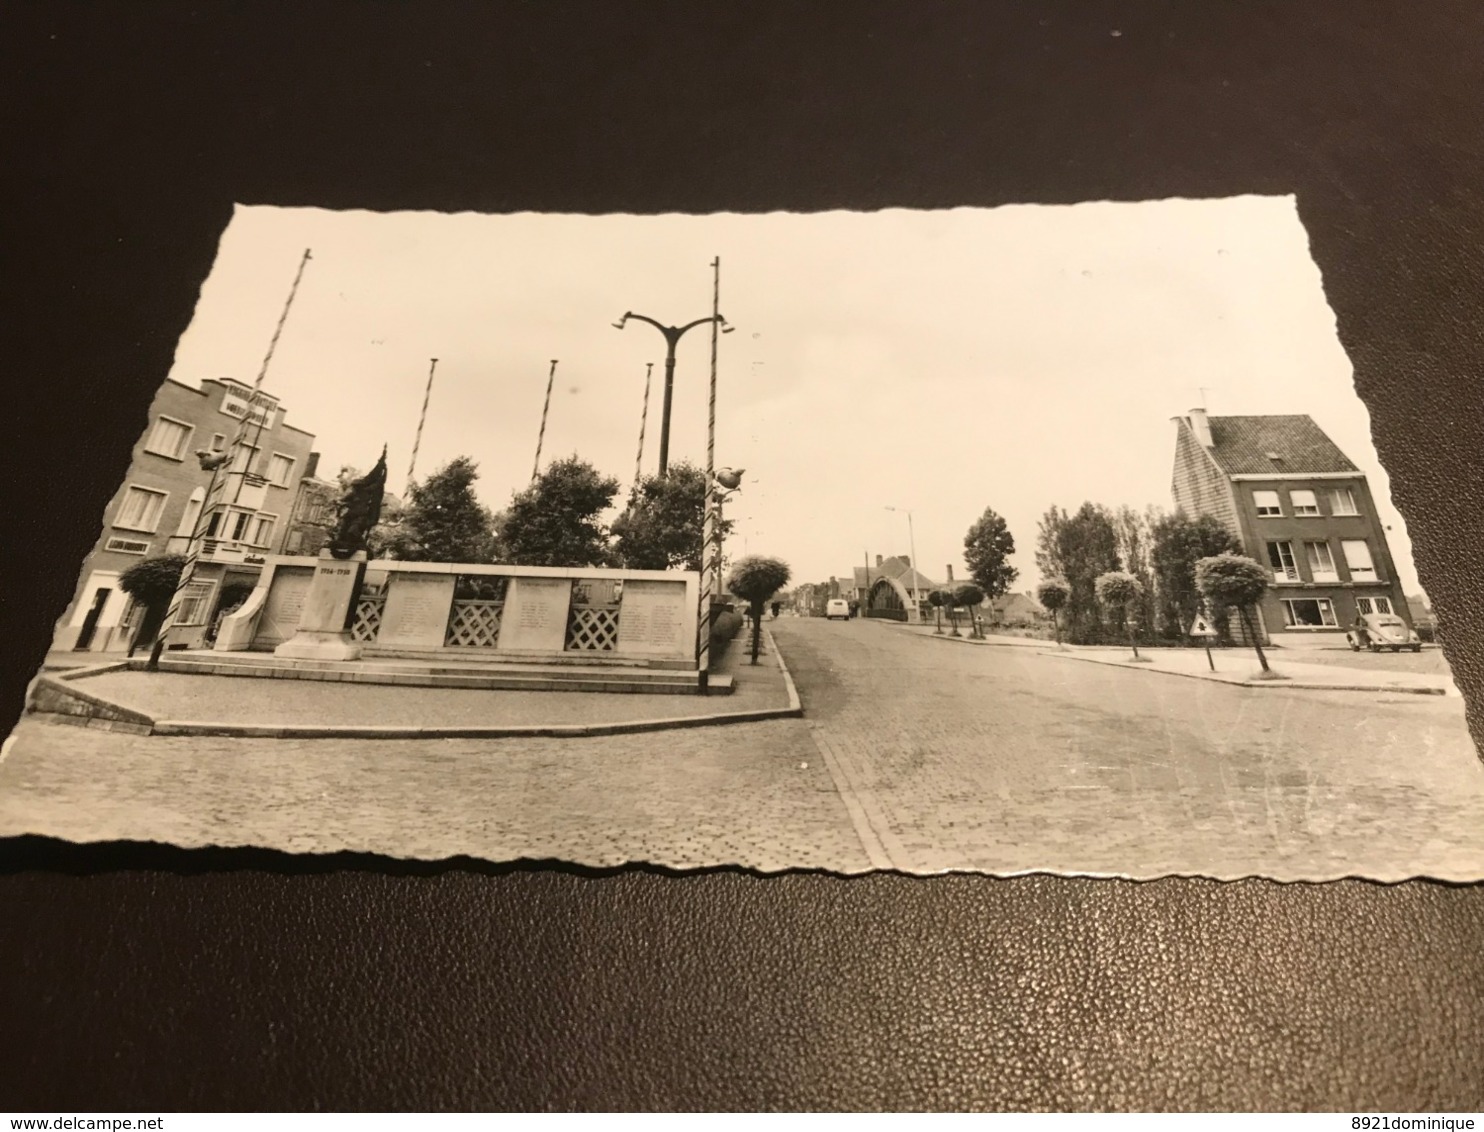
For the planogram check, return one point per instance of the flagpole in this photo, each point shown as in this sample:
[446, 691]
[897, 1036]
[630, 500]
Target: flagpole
[421, 420]
[545, 408]
[193, 547]
[710, 525]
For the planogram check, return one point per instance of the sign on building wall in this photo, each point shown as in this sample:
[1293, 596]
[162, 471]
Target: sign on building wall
[242, 408]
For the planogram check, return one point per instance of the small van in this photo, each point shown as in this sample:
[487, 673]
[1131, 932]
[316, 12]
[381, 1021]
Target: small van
[838, 607]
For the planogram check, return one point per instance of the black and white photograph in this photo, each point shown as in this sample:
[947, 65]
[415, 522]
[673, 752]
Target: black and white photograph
[1038, 538]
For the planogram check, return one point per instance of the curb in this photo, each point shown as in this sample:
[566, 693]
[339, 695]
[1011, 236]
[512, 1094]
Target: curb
[795, 707]
[1303, 685]
[139, 723]
[1040, 646]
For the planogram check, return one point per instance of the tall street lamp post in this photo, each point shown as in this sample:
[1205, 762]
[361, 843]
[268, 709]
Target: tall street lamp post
[912, 543]
[672, 335]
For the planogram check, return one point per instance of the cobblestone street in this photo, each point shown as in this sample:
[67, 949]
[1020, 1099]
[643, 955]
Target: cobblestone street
[912, 755]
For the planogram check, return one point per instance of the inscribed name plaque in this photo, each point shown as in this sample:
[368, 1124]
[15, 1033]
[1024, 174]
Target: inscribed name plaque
[285, 604]
[655, 620]
[535, 617]
[416, 613]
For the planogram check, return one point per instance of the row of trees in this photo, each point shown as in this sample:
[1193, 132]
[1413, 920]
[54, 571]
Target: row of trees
[556, 521]
[1223, 582]
[1159, 551]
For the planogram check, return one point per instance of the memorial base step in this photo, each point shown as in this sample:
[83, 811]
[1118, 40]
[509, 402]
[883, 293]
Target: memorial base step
[562, 677]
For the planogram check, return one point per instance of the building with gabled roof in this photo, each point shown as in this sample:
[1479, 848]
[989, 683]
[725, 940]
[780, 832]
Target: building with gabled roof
[1301, 507]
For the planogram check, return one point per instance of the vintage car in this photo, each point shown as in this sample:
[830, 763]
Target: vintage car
[838, 607]
[1377, 631]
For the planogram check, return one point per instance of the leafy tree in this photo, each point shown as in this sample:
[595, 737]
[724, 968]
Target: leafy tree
[554, 522]
[1077, 548]
[987, 550]
[1135, 544]
[936, 600]
[1117, 590]
[756, 579]
[663, 525]
[151, 582]
[1179, 542]
[1053, 594]
[1232, 580]
[968, 595]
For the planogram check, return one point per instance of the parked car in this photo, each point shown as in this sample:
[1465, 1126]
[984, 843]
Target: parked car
[838, 607]
[1377, 631]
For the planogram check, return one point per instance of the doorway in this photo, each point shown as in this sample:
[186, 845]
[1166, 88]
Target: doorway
[90, 622]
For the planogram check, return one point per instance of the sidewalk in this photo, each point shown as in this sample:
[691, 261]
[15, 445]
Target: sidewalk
[165, 703]
[1233, 666]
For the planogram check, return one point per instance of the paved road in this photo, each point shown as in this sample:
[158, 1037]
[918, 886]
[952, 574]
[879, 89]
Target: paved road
[1011, 759]
[915, 754]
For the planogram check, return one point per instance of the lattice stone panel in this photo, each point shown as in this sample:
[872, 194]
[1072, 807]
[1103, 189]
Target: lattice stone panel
[474, 624]
[592, 630]
[368, 618]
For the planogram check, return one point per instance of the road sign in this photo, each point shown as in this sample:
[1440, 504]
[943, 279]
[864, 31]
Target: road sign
[1200, 627]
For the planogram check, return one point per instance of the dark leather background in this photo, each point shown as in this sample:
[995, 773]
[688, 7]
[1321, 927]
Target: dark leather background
[142, 977]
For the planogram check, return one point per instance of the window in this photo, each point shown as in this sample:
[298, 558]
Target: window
[1309, 613]
[1342, 502]
[1365, 605]
[1280, 558]
[168, 438]
[140, 510]
[194, 603]
[262, 530]
[244, 458]
[238, 527]
[1303, 502]
[218, 442]
[1358, 558]
[1267, 503]
[1321, 562]
[191, 514]
[280, 469]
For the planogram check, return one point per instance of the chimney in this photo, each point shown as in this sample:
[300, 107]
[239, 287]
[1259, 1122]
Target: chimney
[949, 568]
[1201, 426]
[878, 560]
[905, 560]
[312, 466]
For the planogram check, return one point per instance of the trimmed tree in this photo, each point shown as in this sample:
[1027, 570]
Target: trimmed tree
[443, 520]
[151, 583]
[987, 550]
[968, 596]
[935, 599]
[663, 525]
[1053, 594]
[1117, 590]
[554, 522]
[1233, 580]
[755, 580]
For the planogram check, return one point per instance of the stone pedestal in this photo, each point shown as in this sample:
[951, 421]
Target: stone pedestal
[324, 622]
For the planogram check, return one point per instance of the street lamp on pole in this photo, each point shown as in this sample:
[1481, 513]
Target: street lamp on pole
[912, 543]
[672, 335]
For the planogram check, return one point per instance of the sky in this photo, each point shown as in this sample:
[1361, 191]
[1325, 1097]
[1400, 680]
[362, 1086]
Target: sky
[937, 362]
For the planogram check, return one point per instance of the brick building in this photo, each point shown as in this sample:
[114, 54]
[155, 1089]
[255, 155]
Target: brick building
[159, 503]
[1300, 507]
